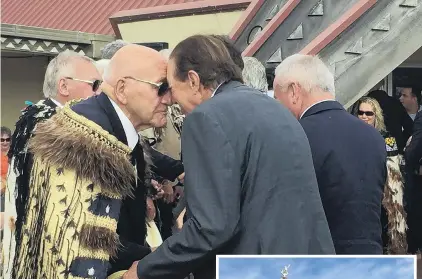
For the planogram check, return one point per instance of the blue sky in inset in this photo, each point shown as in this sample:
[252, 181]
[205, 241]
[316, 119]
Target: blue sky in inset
[317, 268]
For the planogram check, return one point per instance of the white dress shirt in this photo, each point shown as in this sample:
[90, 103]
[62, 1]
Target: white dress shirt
[213, 93]
[56, 102]
[130, 131]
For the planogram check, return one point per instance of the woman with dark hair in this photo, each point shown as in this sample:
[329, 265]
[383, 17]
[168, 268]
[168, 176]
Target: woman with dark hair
[248, 170]
[393, 216]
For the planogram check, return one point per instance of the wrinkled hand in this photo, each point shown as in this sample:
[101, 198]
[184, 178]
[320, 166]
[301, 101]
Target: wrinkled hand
[178, 192]
[132, 273]
[159, 188]
[181, 178]
[168, 192]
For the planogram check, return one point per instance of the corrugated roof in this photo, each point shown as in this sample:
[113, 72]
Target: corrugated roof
[90, 16]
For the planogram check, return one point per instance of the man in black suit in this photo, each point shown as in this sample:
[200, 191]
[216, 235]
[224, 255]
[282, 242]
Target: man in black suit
[250, 184]
[349, 156]
[413, 153]
[135, 97]
[413, 158]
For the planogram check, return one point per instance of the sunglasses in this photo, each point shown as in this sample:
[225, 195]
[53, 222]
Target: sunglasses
[367, 113]
[163, 87]
[95, 84]
[5, 140]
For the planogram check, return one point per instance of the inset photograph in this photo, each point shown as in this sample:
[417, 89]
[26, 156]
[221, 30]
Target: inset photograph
[338, 267]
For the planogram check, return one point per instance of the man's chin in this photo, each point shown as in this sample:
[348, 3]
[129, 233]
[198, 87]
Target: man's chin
[160, 124]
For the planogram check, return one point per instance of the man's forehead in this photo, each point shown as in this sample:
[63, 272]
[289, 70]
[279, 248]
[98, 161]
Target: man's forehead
[406, 91]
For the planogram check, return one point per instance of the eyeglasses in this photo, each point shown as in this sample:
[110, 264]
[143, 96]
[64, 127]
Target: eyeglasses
[95, 84]
[163, 87]
[5, 140]
[367, 113]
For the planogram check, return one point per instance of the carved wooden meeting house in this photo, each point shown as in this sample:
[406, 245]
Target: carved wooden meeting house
[362, 41]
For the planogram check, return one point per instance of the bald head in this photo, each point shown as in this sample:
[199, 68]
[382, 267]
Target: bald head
[134, 80]
[134, 61]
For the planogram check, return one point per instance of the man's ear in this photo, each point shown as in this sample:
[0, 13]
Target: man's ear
[120, 91]
[194, 80]
[295, 89]
[62, 88]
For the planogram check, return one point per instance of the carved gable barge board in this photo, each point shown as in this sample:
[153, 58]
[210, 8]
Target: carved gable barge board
[382, 51]
[254, 19]
[281, 16]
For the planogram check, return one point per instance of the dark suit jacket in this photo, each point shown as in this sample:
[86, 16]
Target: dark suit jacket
[413, 154]
[164, 166]
[250, 187]
[131, 226]
[396, 119]
[350, 163]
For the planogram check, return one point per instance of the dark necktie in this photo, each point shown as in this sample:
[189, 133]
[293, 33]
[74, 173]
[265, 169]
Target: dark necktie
[134, 208]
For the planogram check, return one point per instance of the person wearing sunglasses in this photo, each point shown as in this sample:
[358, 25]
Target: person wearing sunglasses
[4, 165]
[5, 145]
[393, 215]
[89, 163]
[69, 76]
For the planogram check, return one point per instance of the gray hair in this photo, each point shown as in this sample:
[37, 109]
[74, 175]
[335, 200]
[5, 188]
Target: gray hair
[108, 51]
[309, 71]
[254, 74]
[102, 65]
[59, 67]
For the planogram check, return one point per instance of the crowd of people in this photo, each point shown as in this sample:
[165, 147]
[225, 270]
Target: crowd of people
[89, 194]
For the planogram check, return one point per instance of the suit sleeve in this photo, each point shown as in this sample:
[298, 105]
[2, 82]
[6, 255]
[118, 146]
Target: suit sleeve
[164, 165]
[413, 152]
[212, 185]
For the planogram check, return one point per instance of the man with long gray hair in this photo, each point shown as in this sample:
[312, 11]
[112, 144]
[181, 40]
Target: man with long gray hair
[254, 74]
[69, 76]
[349, 155]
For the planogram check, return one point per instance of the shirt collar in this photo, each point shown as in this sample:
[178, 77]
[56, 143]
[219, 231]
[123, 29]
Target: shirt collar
[213, 93]
[130, 131]
[56, 102]
[303, 113]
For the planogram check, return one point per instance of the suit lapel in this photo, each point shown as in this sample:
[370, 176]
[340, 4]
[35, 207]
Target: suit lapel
[115, 122]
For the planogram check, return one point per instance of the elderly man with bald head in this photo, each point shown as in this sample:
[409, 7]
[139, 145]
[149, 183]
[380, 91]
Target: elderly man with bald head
[88, 193]
[349, 155]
